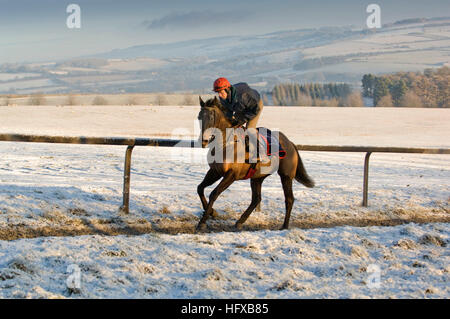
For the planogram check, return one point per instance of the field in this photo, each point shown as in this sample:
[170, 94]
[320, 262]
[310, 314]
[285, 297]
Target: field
[59, 207]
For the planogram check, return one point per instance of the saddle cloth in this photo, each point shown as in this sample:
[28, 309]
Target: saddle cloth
[268, 144]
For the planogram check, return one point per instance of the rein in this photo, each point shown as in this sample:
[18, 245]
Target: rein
[228, 138]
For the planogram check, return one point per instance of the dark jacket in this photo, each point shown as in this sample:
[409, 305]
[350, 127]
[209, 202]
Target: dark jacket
[242, 103]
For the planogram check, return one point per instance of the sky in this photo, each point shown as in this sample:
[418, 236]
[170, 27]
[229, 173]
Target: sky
[36, 30]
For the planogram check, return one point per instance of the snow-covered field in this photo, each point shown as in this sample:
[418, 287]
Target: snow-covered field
[343, 262]
[59, 207]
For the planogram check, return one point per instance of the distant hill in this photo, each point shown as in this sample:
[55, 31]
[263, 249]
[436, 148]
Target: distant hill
[328, 54]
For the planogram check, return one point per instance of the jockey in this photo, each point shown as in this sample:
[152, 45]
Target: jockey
[243, 107]
[243, 104]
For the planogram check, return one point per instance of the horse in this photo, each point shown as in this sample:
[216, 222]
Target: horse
[214, 124]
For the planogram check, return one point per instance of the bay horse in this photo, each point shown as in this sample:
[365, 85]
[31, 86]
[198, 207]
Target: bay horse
[212, 119]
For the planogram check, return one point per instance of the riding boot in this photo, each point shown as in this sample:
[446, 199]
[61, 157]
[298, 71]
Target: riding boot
[252, 142]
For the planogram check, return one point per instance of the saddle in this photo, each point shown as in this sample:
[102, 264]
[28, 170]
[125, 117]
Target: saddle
[267, 145]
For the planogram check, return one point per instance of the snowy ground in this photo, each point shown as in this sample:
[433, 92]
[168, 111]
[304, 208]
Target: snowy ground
[413, 127]
[342, 262]
[73, 192]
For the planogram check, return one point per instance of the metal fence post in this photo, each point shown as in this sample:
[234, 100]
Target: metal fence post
[131, 142]
[366, 178]
[126, 180]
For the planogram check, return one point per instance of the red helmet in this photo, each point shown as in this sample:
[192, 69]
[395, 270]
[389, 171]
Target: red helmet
[220, 84]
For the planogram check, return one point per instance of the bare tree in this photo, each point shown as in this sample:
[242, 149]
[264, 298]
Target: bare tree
[188, 100]
[354, 100]
[99, 100]
[304, 100]
[385, 101]
[71, 100]
[37, 99]
[265, 99]
[133, 100]
[411, 99]
[161, 100]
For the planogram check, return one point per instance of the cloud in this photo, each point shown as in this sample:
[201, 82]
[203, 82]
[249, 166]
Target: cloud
[195, 19]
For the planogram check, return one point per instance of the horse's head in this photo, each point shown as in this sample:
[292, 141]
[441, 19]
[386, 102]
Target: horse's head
[212, 118]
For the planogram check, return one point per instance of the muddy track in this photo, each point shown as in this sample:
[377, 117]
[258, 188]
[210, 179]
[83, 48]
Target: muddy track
[15, 232]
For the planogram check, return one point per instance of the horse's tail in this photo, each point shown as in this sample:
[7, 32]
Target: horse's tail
[300, 175]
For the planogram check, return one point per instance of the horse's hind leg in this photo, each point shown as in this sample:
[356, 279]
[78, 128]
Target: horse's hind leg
[210, 178]
[227, 180]
[286, 181]
[256, 199]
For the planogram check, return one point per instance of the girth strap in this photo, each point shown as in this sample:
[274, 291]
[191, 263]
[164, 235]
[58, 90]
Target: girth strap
[251, 171]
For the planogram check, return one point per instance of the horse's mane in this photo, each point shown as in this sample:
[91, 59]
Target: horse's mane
[215, 103]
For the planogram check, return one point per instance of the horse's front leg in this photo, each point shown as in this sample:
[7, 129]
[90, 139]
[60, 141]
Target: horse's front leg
[227, 180]
[210, 178]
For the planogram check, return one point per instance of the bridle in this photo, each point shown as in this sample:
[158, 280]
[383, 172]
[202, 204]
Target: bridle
[211, 119]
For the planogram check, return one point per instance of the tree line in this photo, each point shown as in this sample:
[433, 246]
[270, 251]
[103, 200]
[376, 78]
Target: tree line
[430, 88]
[411, 89]
[315, 94]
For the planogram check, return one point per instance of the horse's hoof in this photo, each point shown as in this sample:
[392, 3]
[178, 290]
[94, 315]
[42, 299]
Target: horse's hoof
[200, 227]
[238, 226]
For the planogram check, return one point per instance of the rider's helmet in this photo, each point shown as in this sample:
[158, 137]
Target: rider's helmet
[220, 84]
